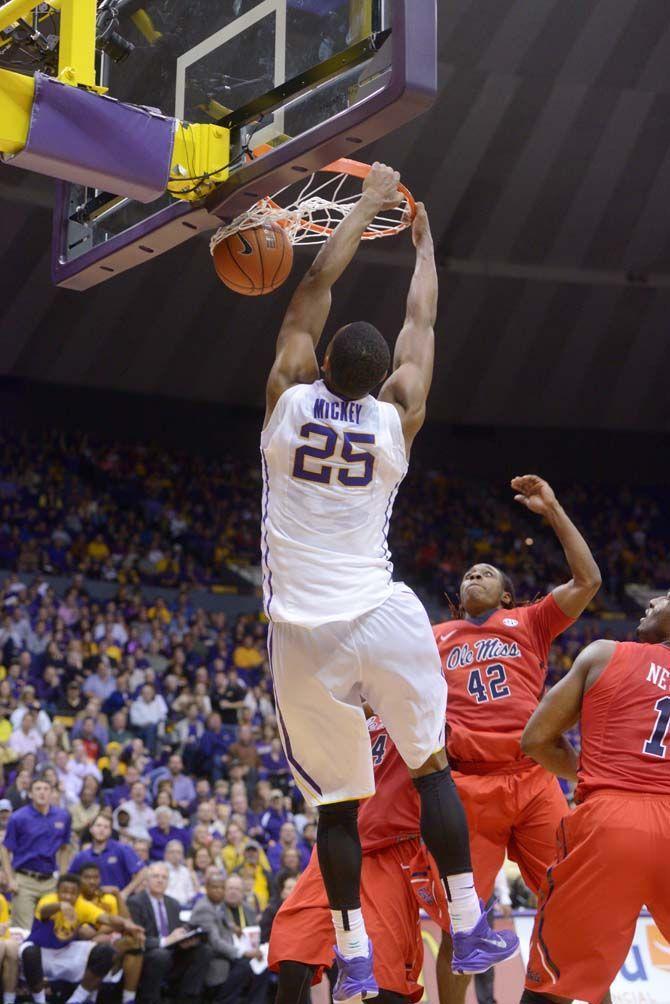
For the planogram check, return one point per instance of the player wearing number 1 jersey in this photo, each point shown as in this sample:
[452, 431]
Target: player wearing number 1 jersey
[333, 458]
[613, 850]
[495, 660]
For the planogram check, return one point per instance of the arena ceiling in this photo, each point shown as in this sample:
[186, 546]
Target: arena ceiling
[545, 165]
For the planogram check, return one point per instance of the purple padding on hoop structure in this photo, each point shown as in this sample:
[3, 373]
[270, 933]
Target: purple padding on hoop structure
[93, 140]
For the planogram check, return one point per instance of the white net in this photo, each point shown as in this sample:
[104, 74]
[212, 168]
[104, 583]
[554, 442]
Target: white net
[310, 217]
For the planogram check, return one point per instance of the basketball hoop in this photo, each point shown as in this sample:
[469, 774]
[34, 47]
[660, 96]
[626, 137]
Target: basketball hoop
[324, 201]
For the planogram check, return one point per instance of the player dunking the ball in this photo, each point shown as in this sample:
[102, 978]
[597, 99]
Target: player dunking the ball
[613, 850]
[333, 458]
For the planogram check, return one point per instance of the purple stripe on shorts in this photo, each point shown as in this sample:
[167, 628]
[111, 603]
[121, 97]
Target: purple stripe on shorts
[265, 547]
[287, 741]
[387, 526]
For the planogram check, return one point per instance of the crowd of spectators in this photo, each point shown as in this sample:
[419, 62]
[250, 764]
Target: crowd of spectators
[124, 513]
[154, 726]
[152, 719]
[136, 514]
[442, 524]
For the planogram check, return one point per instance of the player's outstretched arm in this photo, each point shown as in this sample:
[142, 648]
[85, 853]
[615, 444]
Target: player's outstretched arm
[559, 710]
[408, 386]
[574, 596]
[295, 360]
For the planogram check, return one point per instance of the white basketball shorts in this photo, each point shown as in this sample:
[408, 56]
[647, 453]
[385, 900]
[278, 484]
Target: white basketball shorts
[387, 656]
[67, 964]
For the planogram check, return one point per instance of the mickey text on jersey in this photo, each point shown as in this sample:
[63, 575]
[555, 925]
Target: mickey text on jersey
[338, 411]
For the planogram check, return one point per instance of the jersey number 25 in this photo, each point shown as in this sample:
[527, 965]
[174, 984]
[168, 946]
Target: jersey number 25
[321, 473]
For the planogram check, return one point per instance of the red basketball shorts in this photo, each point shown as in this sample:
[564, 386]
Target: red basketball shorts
[394, 881]
[513, 814]
[612, 859]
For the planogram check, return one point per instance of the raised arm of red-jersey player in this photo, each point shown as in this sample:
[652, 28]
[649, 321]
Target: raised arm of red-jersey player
[408, 386]
[295, 359]
[543, 738]
[574, 596]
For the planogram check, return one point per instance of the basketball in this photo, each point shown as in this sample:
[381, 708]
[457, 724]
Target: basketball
[255, 261]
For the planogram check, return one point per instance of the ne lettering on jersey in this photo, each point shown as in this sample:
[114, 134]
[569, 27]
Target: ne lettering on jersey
[393, 813]
[625, 724]
[496, 669]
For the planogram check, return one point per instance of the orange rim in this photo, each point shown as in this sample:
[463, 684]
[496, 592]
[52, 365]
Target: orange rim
[357, 169]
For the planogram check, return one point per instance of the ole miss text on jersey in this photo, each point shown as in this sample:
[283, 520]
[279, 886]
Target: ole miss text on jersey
[495, 666]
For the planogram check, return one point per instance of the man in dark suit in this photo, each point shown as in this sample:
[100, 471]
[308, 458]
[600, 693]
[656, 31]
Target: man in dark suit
[181, 963]
[228, 978]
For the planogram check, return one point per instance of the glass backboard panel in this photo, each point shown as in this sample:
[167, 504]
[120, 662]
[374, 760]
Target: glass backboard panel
[191, 56]
[205, 60]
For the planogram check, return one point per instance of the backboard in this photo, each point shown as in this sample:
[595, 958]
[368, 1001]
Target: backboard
[303, 81]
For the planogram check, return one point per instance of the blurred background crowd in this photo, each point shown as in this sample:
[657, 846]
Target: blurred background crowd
[133, 514]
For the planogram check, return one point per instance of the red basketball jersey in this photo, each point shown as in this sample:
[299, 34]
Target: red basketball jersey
[495, 667]
[393, 812]
[625, 724]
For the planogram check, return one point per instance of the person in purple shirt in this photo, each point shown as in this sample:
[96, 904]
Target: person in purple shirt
[91, 730]
[119, 865]
[273, 818]
[164, 832]
[288, 838]
[183, 789]
[121, 793]
[274, 763]
[102, 683]
[35, 846]
[213, 747]
[239, 805]
[49, 688]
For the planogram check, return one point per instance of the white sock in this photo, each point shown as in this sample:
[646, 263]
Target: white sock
[8, 998]
[464, 908]
[128, 995]
[352, 942]
[80, 995]
[40, 997]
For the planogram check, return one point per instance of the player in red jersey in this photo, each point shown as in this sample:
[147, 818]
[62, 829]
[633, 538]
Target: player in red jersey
[397, 877]
[614, 849]
[495, 660]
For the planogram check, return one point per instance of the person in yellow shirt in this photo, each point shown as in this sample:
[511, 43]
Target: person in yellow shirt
[91, 891]
[233, 853]
[54, 950]
[9, 954]
[5, 729]
[97, 549]
[159, 610]
[128, 947]
[112, 762]
[246, 656]
[113, 651]
[253, 866]
[4, 918]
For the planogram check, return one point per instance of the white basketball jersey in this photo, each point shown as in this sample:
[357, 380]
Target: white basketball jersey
[331, 472]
